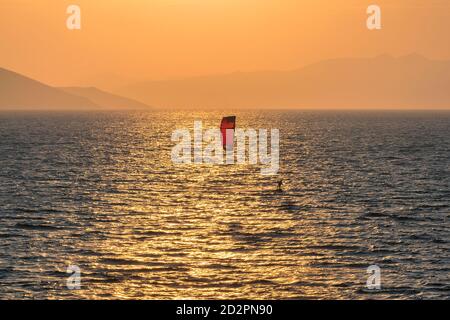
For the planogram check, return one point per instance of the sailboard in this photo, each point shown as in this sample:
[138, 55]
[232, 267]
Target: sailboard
[227, 128]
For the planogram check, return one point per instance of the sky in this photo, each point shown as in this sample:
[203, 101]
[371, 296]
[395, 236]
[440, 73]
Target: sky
[134, 40]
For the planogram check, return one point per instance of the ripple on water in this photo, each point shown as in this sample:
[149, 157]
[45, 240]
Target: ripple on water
[100, 191]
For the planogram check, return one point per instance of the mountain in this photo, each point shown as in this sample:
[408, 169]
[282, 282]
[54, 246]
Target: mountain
[411, 81]
[104, 99]
[18, 92]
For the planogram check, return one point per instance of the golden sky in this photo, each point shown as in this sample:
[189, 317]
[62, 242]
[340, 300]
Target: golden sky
[163, 39]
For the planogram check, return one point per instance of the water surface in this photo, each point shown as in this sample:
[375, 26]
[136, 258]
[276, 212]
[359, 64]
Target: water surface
[100, 191]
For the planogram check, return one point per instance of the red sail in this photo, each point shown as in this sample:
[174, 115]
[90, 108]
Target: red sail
[228, 123]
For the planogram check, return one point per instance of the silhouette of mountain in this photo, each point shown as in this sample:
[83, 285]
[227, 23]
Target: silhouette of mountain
[18, 92]
[411, 81]
[105, 99]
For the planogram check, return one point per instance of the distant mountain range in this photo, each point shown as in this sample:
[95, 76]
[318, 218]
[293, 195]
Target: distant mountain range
[18, 92]
[383, 82]
[411, 81]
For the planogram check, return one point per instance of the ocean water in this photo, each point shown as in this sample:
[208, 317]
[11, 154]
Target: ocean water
[99, 191]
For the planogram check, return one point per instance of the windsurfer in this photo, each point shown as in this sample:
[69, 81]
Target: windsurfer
[280, 184]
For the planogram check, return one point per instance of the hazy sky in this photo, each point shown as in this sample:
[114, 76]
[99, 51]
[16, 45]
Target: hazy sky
[161, 39]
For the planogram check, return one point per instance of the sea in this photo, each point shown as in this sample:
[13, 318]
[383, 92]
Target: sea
[93, 207]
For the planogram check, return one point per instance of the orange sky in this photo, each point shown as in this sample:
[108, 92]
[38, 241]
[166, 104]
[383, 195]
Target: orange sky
[160, 39]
